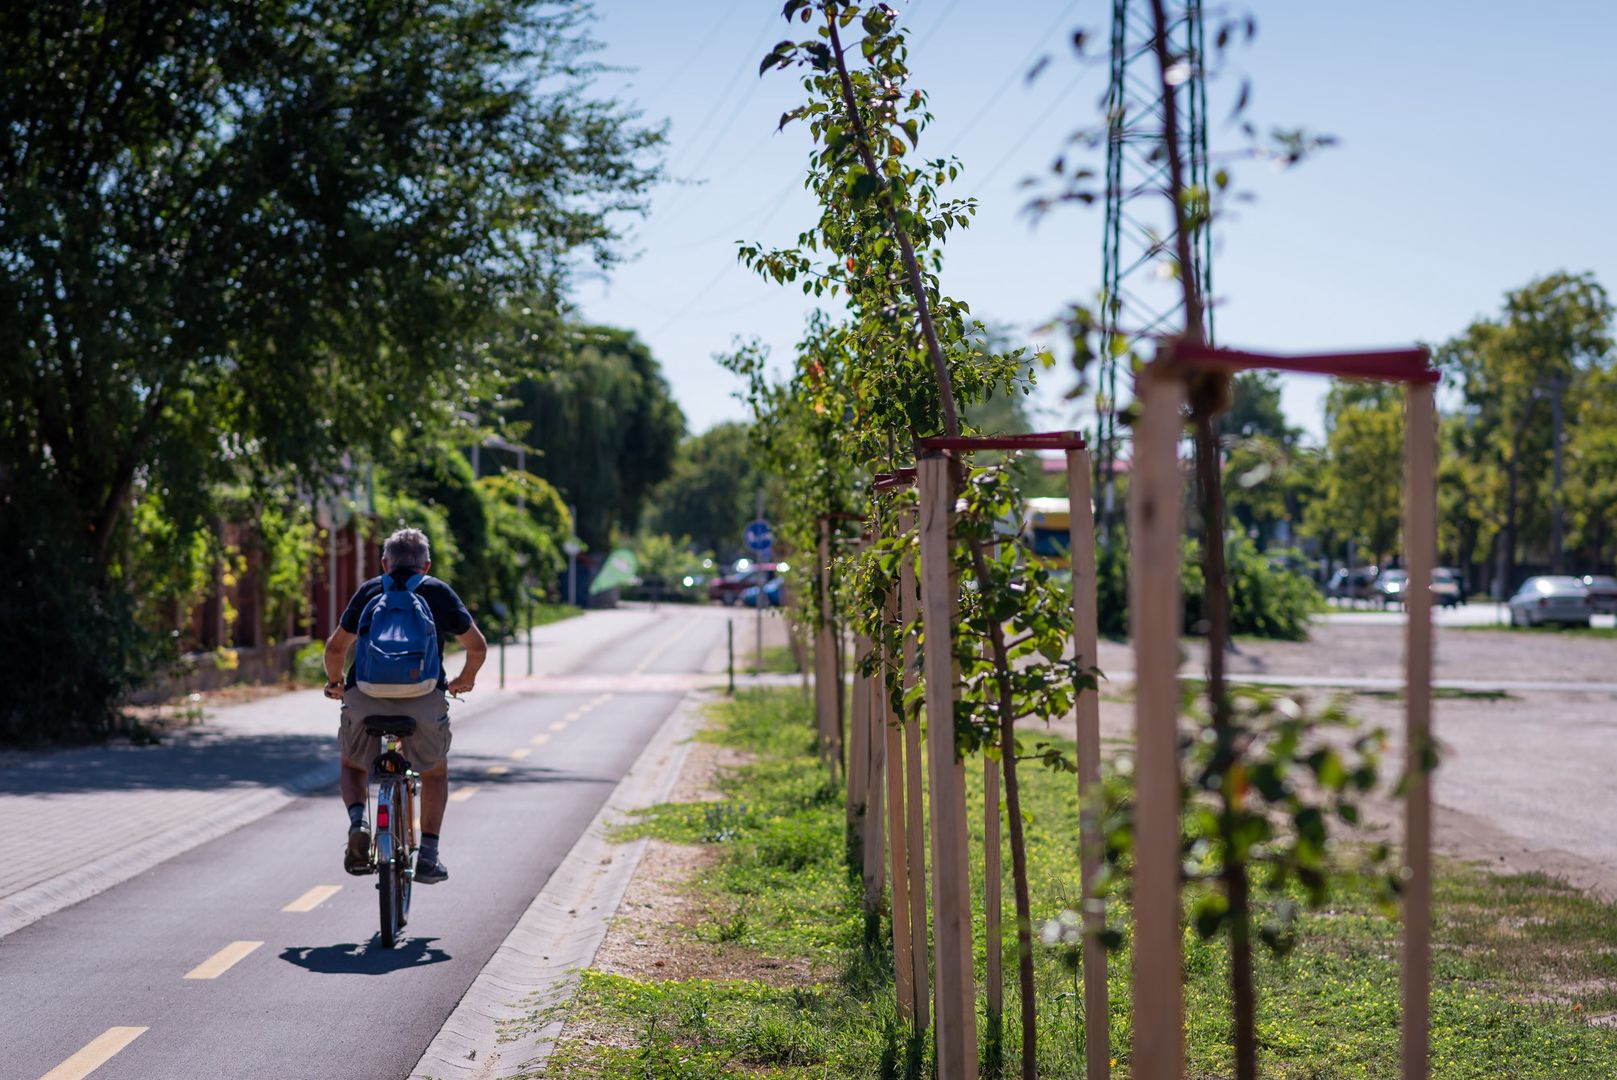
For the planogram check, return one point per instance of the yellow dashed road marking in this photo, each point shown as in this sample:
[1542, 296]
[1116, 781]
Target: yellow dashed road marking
[223, 960]
[313, 898]
[575, 714]
[463, 793]
[646, 661]
[540, 739]
[97, 1053]
[518, 754]
[501, 770]
[558, 725]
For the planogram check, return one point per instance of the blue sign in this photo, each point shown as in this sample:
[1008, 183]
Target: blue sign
[758, 537]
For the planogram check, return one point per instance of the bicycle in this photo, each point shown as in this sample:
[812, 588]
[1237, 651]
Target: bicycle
[393, 846]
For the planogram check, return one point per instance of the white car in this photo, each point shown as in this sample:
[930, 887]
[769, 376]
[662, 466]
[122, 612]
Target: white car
[1550, 600]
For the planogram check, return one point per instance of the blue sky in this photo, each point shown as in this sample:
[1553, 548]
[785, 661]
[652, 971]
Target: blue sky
[1476, 153]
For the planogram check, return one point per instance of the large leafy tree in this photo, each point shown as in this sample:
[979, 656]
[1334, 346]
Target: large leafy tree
[1363, 474]
[712, 492]
[1592, 471]
[241, 240]
[1261, 458]
[601, 416]
[1544, 354]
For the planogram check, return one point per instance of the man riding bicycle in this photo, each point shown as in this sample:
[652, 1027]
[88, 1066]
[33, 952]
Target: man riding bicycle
[406, 559]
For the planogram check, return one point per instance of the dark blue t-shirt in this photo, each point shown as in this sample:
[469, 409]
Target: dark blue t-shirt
[448, 614]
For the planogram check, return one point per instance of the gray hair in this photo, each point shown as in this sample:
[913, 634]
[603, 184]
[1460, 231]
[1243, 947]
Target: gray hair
[407, 550]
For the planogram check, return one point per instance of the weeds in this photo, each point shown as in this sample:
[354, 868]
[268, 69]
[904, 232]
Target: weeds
[1526, 968]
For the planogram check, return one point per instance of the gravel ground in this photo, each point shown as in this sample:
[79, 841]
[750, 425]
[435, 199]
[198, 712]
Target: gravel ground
[1526, 781]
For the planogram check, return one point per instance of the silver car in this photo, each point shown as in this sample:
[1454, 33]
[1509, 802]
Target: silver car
[1550, 600]
[1602, 593]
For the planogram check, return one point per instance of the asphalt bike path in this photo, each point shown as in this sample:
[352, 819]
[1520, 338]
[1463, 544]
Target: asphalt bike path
[254, 955]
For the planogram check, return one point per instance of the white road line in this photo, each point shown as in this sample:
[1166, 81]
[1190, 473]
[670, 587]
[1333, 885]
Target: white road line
[501, 770]
[223, 960]
[95, 1054]
[558, 725]
[516, 755]
[463, 793]
[541, 738]
[313, 898]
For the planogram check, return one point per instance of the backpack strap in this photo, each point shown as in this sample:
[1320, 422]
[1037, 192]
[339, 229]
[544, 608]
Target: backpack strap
[414, 581]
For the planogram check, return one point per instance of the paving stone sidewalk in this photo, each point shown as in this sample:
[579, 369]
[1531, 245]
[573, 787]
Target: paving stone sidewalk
[81, 820]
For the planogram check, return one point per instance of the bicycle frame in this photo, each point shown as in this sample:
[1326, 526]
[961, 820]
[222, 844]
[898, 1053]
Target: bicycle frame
[397, 785]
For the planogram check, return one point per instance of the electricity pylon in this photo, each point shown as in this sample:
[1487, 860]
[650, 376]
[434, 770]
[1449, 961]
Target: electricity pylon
[1141, 297]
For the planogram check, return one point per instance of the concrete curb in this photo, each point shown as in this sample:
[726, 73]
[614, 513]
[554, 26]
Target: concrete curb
[537, 965]
[29, 905]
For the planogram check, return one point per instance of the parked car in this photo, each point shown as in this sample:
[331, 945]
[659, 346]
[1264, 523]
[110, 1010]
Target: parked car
[1602, 593]
[774, 594]
[1356, 583]
[1447, 589]
[727, 589]
[1550, 600]
[1391, 586]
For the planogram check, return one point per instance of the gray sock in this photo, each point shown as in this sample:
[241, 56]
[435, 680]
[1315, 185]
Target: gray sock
[429, 847]
[356, 816]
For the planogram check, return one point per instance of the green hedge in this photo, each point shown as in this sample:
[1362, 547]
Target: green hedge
[1267, 599]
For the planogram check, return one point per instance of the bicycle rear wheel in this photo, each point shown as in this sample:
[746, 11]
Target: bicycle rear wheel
[392, 879]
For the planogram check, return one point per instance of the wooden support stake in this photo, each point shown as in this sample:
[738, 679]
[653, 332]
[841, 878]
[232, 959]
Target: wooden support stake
[1420, 554]
[1154, 530]
[956, 1034]
[914, 801]
[897, 836]
[875, 823]
[993, 904]
[825, 664]
[859, 759]
[1081, 545]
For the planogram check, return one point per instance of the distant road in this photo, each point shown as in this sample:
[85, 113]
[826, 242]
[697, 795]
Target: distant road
[1485, 614]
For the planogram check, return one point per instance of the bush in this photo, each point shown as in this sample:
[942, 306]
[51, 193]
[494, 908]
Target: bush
[1267, 600]
[73, 627]
[309, 665]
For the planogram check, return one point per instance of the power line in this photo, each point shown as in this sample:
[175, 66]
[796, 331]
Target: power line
[1026, 135]
[1019, 70]
[691, 55]
[686, 308]
[930, 34]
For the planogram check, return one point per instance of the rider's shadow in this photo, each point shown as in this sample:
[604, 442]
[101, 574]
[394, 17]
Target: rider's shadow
[367, 959]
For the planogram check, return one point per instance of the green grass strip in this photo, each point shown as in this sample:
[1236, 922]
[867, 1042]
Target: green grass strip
[1522, 963]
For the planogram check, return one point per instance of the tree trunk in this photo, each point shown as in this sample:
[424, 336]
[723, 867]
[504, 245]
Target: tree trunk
[1024, 906]
[1243, 992]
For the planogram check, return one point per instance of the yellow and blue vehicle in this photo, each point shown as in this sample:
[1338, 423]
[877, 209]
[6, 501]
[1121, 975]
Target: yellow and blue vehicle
[1045, 525]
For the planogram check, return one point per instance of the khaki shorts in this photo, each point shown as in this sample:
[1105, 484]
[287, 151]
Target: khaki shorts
[426, 749]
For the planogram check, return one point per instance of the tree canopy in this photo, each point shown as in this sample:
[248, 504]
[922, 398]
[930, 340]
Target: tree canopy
[712, 492]
[238, 243]
[601, 416]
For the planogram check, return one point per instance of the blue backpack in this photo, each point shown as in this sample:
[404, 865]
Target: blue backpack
[397, 655]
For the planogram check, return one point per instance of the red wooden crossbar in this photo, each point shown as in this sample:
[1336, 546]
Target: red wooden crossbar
[1047, 440]
[1389, 365]
[898, 478]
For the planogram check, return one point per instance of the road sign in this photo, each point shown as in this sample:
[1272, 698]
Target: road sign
[759, 537]
[572, 545]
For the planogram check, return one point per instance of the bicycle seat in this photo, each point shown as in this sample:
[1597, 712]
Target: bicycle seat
[397, 726]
